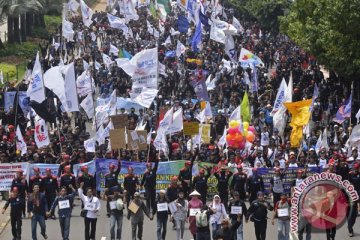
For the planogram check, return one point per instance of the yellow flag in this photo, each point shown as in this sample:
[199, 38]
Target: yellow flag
[245, 109]
[300, 116]
[205, 133]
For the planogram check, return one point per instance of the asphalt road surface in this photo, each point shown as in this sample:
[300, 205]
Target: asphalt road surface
[103, 229]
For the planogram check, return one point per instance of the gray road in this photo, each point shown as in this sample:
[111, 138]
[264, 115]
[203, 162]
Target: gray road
[102, 233]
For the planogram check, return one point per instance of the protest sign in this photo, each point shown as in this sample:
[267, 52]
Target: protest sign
[191, 128]
[117, 138]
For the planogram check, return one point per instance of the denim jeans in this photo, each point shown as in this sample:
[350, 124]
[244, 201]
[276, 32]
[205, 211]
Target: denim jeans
[65, 227]
[283, 229]
[215, 227]
[34, 220]
[118, 220]
[239, 232]
[180, 227]
[139, 227]
[161, 224]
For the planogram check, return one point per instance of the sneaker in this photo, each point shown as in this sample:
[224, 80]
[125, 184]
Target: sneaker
[351, 234]
[45, 236]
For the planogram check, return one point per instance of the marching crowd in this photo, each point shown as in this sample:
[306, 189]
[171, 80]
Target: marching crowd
[271, 149]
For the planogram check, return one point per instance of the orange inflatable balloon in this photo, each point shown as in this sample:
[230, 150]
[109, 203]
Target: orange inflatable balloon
[250, 137]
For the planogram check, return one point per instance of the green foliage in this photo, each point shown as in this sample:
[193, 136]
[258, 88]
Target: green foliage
[330, 30]
[8, 70]
[264, 11]
[42, 33]
[24, 50]
[52, 22]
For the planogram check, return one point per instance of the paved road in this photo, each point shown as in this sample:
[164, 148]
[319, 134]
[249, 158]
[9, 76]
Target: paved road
[102, 233]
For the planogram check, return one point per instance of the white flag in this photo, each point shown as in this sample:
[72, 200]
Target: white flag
[86, 13]
[127, 8]
[217, 34]
[84, 84]
[168, 41]
[20, 143]
[177, 123]
[222, 140]
[173, 32]
[162, 69]
[237, 25]
[114, 50]
[318, 144]
[210, 84]
[118, 23]
[358, 116]
[146, 97]
[41, 133]
[205, 114]
[67, 30]
[160, 142]
[236, 114]
[97, 65]
[280, 97]
[72, 102]
[88, 105]
[73, 5]
[107, 60]
[90, 145]
[36, 90]
[99, 135]
[230, 48]
[227, 28]
[180, 48]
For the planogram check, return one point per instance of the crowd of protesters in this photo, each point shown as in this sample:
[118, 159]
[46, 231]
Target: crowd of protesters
[281, 58]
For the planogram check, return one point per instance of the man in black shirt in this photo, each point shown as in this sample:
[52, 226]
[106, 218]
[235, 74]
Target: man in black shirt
[17, 204]
[149, 182]
[237, 202]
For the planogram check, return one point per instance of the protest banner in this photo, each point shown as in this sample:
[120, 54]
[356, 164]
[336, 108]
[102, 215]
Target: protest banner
[191, 128]
[8, 173]
[117, 138]
[120, 121]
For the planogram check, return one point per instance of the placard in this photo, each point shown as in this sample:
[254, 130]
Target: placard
[142, 143]
[194, 211]
[283, 212]
[133, 207]
[90, 206]
[120, 121]
[236, 210]
[117, 138]
[161, 207]
[205, 133]
[112, 205]
[191, 128]
[172, 207]
[64, 204]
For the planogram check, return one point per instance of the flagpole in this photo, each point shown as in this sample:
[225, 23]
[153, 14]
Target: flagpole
[351, 96]
[16, 107]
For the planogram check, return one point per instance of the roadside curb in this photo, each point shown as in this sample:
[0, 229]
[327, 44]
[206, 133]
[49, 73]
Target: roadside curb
[4, 223]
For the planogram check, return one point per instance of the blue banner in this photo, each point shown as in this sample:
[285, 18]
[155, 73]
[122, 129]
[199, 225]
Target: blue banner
[183, 24]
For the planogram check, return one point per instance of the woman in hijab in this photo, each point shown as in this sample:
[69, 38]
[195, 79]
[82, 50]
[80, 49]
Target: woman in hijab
[219, 213]
[195, 205]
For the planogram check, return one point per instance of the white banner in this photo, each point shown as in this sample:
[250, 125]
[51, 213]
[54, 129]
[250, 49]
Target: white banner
[88, 105]
[70, 89]
[41, 135]
[86, 13]
[36, 90]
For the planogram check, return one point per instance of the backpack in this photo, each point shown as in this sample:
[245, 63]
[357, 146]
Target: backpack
[119, 204]
[201, 219]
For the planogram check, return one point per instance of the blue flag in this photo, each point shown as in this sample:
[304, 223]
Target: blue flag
[183, 24]
[126, 54]
[344, 111]
[170, 54]
[196, 38]
[204, 19]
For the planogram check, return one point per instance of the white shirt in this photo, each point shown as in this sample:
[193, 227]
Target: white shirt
[219, 214]
[265, 139]
[93, 200]
[323, 163]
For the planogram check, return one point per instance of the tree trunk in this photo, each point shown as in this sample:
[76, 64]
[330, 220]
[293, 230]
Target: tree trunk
[10, 29]
[36, 20]
[29, 23]
[23, 27]
[16, 29]
[42, 20]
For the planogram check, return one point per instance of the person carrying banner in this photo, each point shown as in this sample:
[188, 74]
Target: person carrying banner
[131, 184]
[137, 217]
[92, 207]
[199, 183]
[63, 201]
[67, 179]
[37, 209]
[257, 213]
[36, 180]
[162, 214]
[238, 182]
[255, 183]
[17, 204]
[111, 181]
[237, 203]
[66, 162]
[51, 187]
[223, 176]
[22, 186]
[185, 176]
[277, 185]
[282, 214]
[149, 183]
